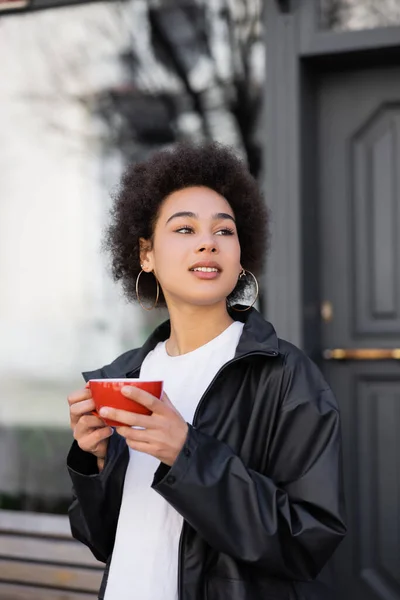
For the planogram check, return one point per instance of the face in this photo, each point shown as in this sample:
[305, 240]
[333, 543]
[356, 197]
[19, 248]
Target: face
[195, 253]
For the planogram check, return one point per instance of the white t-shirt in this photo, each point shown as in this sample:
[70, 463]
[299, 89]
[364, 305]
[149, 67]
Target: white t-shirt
[144, 565]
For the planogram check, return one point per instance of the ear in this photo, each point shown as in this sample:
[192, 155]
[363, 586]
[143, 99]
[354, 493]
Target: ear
[146, 254]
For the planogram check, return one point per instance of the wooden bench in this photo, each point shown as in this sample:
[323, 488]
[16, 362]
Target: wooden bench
[39, 560]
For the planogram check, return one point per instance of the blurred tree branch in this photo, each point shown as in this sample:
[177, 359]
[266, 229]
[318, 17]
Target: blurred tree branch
[208, 47]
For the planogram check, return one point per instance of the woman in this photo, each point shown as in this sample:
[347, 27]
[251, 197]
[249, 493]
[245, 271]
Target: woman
[232, 488]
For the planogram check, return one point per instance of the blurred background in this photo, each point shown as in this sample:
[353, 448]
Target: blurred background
[85, 90]
[308, 92]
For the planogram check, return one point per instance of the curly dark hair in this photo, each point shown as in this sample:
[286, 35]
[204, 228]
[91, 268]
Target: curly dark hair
[145, 185]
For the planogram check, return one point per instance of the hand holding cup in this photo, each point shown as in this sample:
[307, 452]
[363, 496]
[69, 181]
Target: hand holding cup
[157, 429]
[90, 431]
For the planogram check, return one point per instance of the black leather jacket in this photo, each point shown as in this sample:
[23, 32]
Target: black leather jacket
[258, 482]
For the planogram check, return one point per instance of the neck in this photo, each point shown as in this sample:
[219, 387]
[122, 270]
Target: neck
[194, 326]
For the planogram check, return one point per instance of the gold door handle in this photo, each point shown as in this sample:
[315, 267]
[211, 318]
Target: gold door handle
[362, 354]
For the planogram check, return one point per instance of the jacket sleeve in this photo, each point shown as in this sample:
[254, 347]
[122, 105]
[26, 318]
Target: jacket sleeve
[94, 512]
[287, 520]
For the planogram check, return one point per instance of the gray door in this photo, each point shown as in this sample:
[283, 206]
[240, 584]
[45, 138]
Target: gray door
[359, 199]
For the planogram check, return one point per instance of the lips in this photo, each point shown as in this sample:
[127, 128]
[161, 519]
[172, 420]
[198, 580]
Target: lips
[206, 267]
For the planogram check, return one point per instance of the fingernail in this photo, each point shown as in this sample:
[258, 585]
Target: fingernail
[126, 389]
[104, 412]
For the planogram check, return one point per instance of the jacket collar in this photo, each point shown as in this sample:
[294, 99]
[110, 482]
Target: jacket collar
[258, 337]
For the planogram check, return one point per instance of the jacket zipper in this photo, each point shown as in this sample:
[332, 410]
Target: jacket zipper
[201, 402]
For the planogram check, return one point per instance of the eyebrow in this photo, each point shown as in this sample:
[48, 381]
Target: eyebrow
[192, 215]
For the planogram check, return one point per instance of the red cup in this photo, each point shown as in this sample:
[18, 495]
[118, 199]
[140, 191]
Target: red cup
[107, 392]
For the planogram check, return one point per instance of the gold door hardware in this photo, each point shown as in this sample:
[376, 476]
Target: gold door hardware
[362, 354]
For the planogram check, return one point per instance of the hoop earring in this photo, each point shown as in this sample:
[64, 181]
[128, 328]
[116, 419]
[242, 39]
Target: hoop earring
[138, 295]
[243, 274]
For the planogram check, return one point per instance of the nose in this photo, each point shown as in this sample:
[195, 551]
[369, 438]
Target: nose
[208, 246]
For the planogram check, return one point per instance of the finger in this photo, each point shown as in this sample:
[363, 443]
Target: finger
[129, 418]
[143, 397]
[141, 447]
[90, 441]
[81, 429]
[165, 399]
[138, 435]
[146, 421]
[83, 407]
[79, 396]
[91, 422]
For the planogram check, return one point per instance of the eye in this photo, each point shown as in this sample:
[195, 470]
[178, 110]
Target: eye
[186, 229]
[225, 231]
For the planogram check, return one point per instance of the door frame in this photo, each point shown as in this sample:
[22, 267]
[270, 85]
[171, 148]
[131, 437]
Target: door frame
[298, 52]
